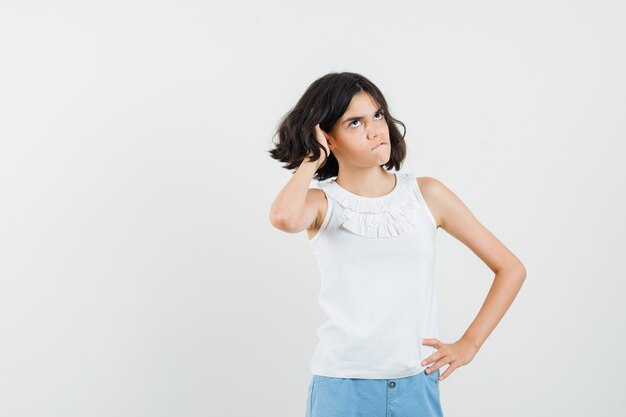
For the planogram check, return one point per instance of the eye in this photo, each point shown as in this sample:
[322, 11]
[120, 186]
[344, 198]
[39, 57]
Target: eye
[381, 113]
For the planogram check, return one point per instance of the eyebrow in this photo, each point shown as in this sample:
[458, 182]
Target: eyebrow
[349, 119]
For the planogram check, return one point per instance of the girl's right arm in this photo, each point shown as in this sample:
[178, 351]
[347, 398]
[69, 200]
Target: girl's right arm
[296, 207]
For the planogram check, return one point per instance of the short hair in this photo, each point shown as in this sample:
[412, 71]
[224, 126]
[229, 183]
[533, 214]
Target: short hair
[323, 103]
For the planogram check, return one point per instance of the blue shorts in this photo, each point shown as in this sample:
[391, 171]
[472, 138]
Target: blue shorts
[411, 396]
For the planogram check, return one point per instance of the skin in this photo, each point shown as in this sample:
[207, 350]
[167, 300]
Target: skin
[352, 141]
[360, 173]
[452, 215]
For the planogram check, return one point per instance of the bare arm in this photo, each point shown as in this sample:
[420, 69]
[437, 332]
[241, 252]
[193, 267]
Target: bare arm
[509, 271]
[456, 219]
[296, 206]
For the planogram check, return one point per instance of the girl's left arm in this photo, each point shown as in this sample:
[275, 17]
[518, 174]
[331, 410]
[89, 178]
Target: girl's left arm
[455, 218]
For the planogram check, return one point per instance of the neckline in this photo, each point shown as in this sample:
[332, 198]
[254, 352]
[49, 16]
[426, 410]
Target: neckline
[361, 197]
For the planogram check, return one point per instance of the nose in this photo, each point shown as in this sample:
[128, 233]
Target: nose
[374, 130]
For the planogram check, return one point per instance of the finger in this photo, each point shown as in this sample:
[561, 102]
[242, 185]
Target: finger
[436, 365]
[431, 358]
[448, 371]
[428, 342]
[426, 361]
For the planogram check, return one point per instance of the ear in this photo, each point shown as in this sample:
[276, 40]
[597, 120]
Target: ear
[330, 140]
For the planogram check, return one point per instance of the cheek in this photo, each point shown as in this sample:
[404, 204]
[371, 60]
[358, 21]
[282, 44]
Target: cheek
[363, 149]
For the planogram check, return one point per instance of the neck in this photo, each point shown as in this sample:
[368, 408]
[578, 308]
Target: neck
[368, 182]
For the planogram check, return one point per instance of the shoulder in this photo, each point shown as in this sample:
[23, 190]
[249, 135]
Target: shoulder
[444, 203]
[435, 195]
[430, 185]
[427, 182]
[316, 193]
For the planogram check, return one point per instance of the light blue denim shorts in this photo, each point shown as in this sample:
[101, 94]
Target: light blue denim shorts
[411, 396]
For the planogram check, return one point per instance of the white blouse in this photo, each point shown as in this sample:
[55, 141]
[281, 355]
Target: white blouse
[376, 258]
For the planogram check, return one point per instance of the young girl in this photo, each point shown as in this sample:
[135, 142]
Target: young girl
[373, 234]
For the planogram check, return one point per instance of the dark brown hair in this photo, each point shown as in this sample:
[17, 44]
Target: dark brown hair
[324, 102]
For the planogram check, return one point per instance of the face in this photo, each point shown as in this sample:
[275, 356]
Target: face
[356, 136]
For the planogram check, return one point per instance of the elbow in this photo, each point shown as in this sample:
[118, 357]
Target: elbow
[280, 221]
[521, 271]
[514, 270]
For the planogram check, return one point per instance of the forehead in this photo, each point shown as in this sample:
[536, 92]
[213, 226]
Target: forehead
[361, 101]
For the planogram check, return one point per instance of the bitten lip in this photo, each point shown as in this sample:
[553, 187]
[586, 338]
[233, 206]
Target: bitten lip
[380, 143]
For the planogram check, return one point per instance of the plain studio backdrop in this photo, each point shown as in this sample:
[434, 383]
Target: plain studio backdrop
[139, 272]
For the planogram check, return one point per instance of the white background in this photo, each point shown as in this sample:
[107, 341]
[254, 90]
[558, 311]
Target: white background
[139, 272]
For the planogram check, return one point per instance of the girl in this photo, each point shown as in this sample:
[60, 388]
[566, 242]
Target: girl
[373, 234]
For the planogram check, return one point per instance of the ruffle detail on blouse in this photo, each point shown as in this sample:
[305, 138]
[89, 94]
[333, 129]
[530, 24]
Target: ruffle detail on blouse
[391, 215]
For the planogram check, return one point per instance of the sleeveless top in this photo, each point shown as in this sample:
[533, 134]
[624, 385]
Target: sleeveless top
[376, 257]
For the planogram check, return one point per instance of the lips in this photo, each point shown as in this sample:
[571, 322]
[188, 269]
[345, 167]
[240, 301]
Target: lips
[381, 143]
